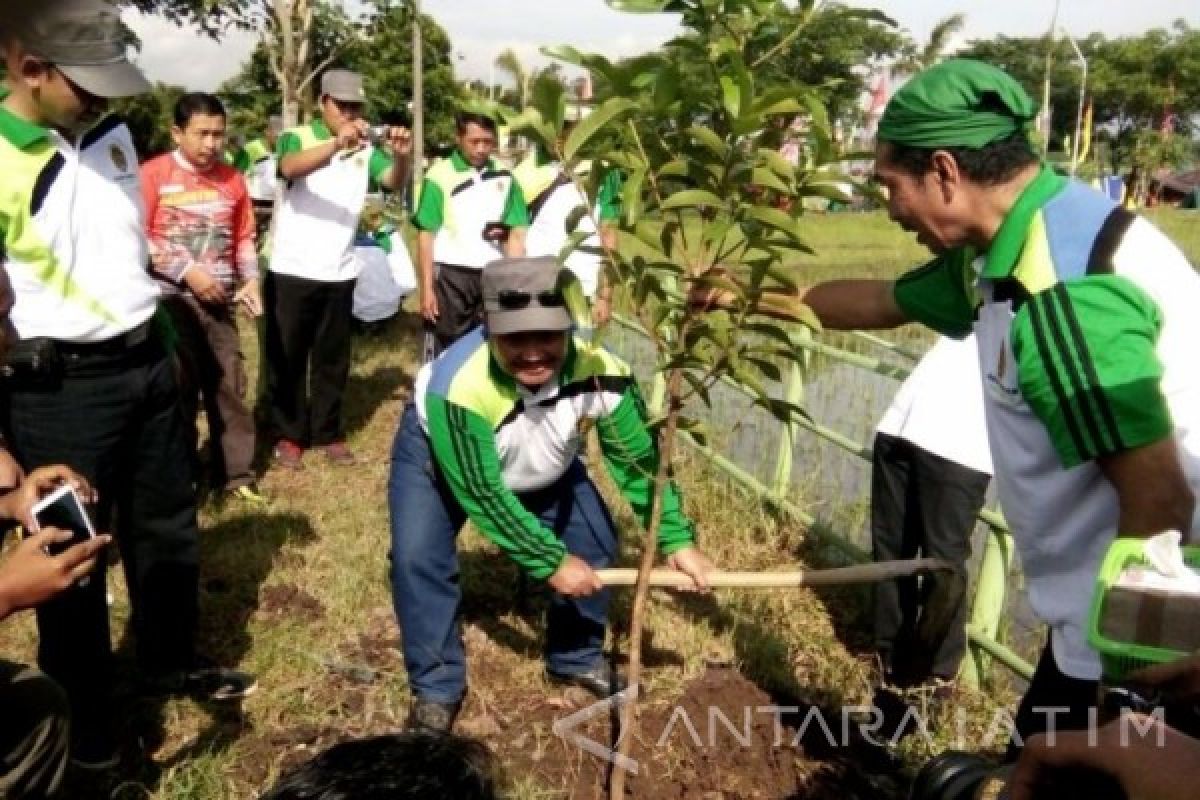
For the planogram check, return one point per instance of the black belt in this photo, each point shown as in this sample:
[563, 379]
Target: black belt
[118, 345]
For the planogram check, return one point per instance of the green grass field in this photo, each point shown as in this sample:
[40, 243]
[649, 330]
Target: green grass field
[298, 594]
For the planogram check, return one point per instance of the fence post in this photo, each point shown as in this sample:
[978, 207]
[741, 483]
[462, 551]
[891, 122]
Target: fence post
[988, 607]
[793, 392]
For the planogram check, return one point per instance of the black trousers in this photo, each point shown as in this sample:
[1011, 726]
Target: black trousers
[308, 338]
[459, 295]
[115, 417]
[921, 505]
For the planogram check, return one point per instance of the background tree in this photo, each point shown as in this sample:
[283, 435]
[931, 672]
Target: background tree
[380, 50]
[934, 50]
[149, 117]
[510, 63]
[830, 47]
[1135, 82]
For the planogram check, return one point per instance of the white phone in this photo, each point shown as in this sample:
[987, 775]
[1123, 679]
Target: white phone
[63, 509]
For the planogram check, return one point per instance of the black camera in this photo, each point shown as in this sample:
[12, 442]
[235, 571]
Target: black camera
[954, 775]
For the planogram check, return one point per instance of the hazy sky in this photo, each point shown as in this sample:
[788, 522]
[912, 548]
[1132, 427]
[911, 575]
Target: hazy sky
[480, 29]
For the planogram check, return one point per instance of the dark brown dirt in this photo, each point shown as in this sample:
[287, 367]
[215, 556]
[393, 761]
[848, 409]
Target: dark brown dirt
[716, 741]
[288, 600]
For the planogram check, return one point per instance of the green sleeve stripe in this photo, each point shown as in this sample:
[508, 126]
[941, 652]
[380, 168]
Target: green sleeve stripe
[468, 488]
[1070, 413]
[542, 550]
[480, 489]
[1089, 368]
[632, 459]
[521, 538]
[1071, 357]
[1095, 392]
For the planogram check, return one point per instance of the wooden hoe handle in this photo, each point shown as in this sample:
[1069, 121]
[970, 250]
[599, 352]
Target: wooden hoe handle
[862, 573]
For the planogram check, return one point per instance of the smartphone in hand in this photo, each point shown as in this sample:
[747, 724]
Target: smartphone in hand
[63, 509]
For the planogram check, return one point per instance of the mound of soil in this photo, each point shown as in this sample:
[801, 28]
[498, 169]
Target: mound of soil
[722, 738]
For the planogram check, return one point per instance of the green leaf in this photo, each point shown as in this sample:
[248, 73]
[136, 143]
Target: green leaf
[694, 427]
[692, 198]
[698, 385]
[771, 331]
[675, 168]
[774, 218]
[768, 179]
[710, 141]
[631, 197]
[564, 52]
[731, 96]
[777, 163]
[639, 6]
[666, 88]
[605, 114]
[788, 106]
[573, 241]
[831, 191]
[768, 368]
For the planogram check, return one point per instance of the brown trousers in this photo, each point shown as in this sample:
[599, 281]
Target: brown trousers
[33, 733]
[212, 368]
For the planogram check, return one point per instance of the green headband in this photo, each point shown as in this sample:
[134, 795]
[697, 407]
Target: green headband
[958, 103]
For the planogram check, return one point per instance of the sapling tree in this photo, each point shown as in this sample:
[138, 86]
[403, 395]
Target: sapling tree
[707, 200]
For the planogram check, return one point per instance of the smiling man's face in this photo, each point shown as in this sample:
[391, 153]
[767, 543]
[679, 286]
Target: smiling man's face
[531, 357]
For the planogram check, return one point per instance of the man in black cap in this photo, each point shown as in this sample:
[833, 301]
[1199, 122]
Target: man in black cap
[494, 436]
[90, 384]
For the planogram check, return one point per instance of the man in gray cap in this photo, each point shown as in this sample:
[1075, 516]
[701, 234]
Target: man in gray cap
[90, 384]
[494, 435]
[329, 165]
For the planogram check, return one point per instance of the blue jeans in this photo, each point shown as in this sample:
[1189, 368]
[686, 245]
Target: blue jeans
[425, 520]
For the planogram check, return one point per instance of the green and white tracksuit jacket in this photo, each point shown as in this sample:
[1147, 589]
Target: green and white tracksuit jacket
[492, 439]
[1087, 320]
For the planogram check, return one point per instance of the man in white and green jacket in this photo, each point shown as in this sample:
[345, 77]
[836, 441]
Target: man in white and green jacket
[494, 435]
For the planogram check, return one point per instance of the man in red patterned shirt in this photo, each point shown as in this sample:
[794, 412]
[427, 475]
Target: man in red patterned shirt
[200, 224]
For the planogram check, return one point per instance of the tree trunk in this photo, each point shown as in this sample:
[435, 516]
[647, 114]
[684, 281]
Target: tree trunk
[628, 722]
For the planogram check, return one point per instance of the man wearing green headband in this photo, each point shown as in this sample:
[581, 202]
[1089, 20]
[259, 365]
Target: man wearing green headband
[1084, 316]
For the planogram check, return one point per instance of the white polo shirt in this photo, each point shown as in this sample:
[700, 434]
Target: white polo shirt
[458, 201]
[318, 219]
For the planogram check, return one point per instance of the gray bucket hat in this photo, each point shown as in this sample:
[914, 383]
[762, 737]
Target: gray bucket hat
[524, 294]
[87, 42]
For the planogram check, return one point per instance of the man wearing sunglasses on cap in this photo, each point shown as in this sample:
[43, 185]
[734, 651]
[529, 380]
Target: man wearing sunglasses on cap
[494, 435]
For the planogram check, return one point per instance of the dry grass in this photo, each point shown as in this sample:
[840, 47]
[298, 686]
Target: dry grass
[298, 594]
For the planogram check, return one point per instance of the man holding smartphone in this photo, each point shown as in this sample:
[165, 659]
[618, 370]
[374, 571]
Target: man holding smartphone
[34, 741]
[470, 212]
[329, 166]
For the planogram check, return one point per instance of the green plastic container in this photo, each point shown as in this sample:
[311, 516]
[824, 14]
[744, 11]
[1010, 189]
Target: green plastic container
[1118, 659]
